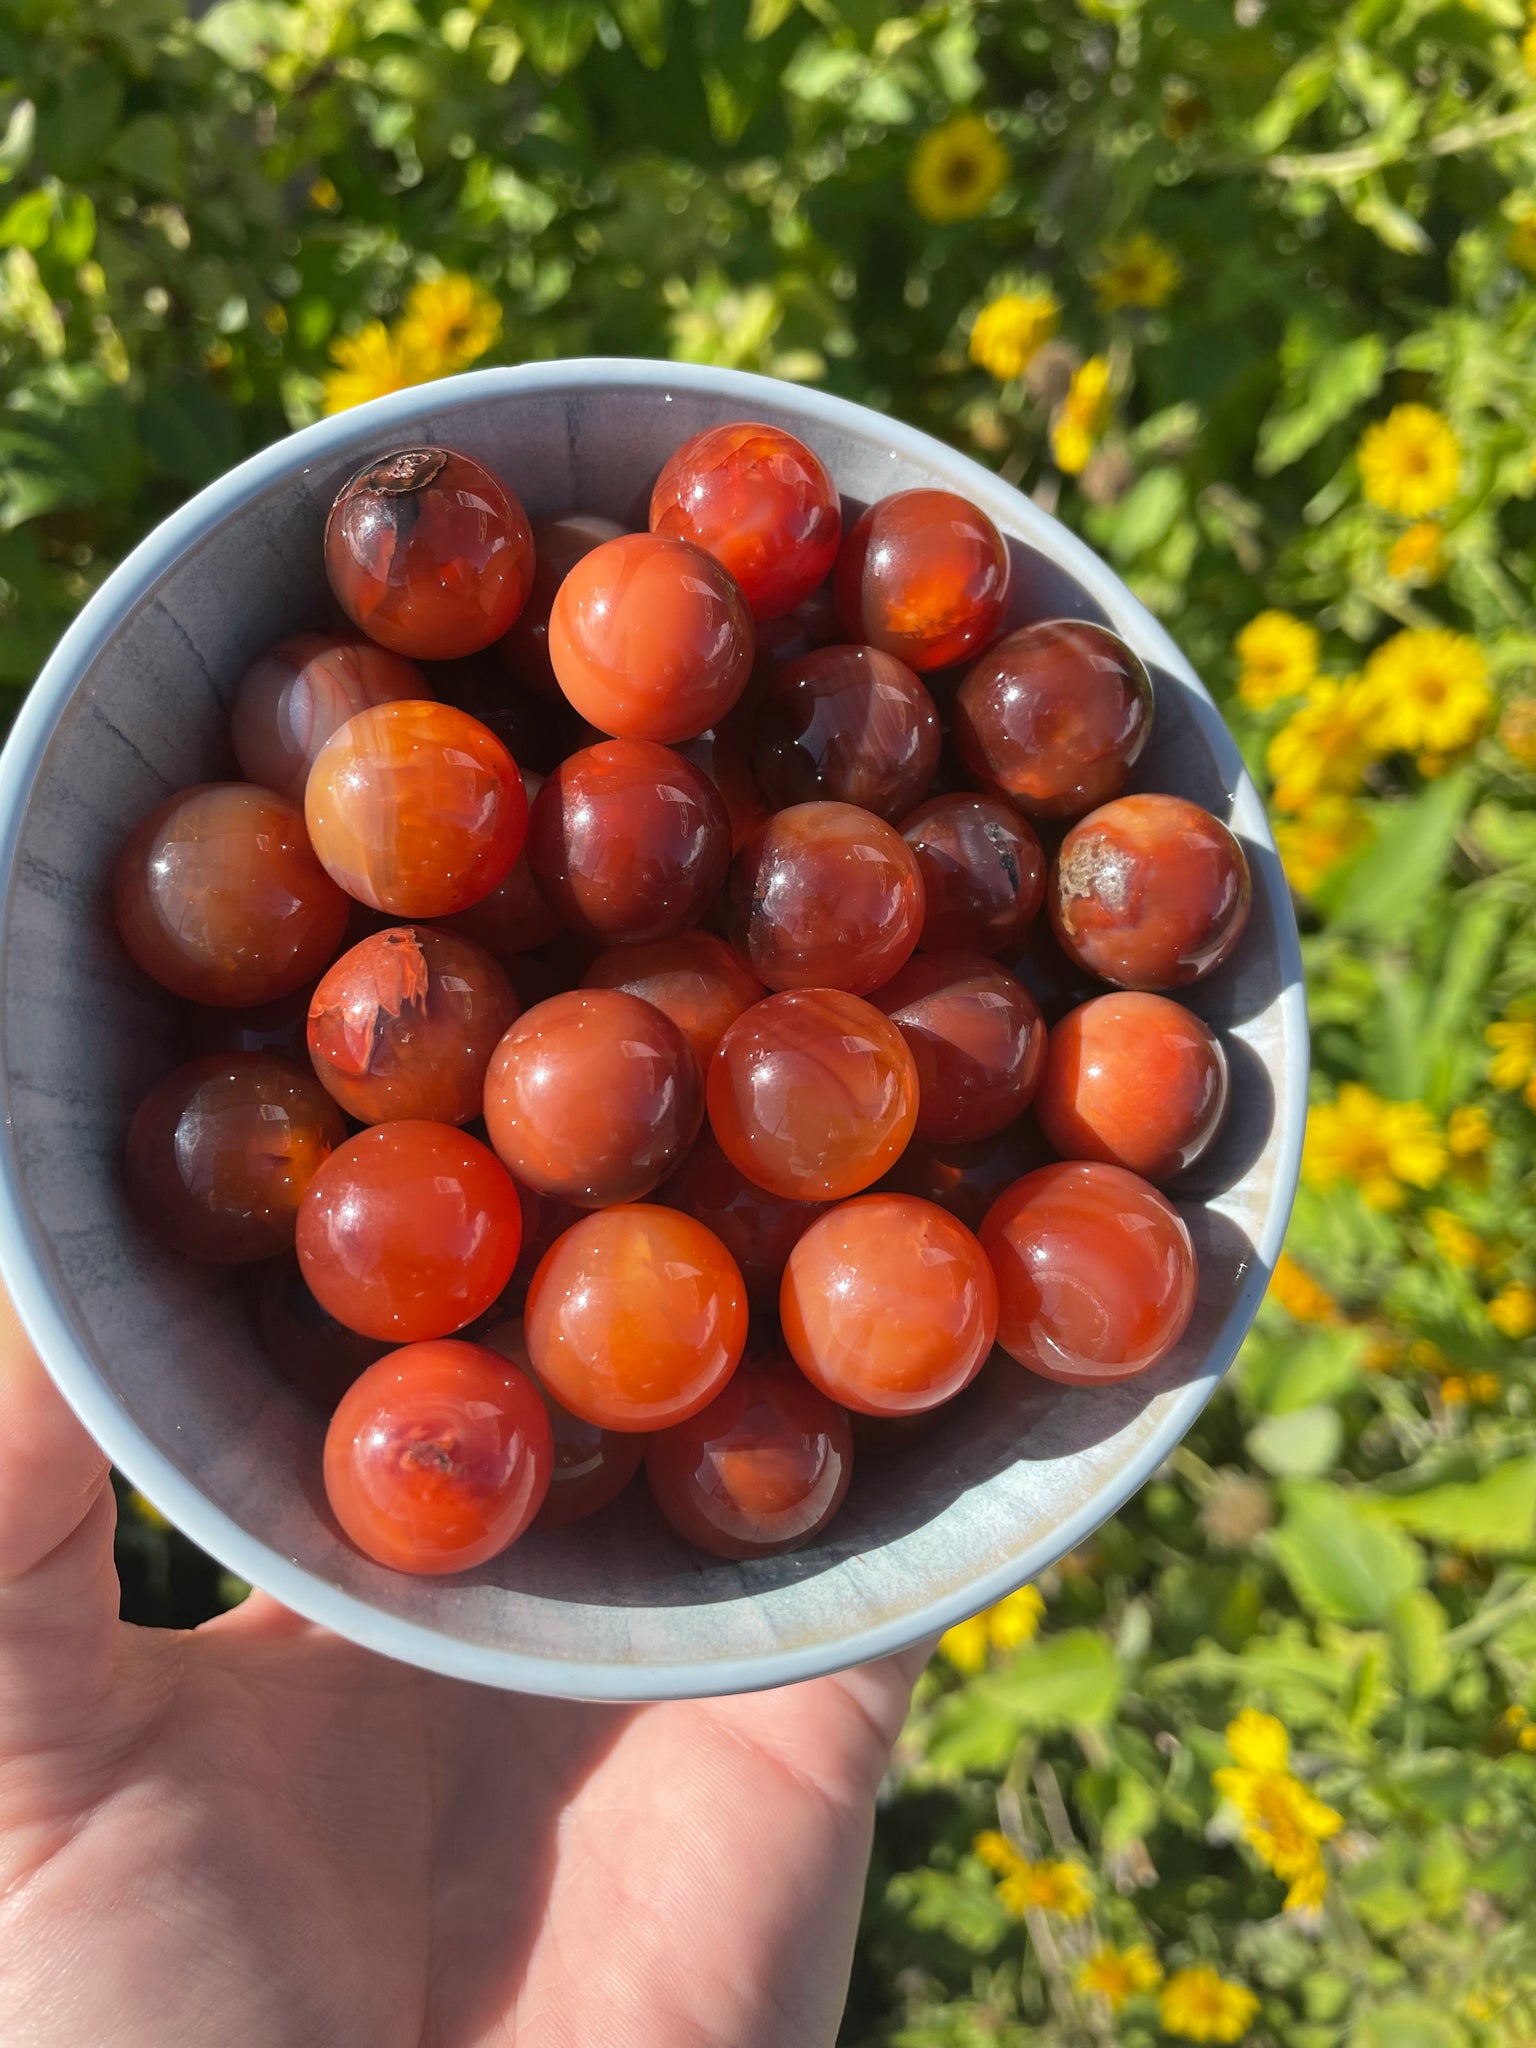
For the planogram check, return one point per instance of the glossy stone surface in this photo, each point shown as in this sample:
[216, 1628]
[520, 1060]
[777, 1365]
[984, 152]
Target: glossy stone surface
[592, 1466]
[849, 724]
[218, 896]
[636, 1317]
[438, 1457]
[697, 980]
[967, 1179]
[923, 575]
[416, 809]
[306, 1347]
[1095, 1271]
[1149, 892]
[429, 553]
[537, 731]
[628, 841]
[1056, 715]
[516, 916]
[888, 1305]
[763, 1468]
[825, 896]
[592, 1096]
[409, 1230]
[724, 754]
[983, 873]
[977, 1037]
[758, 500]
[1135, 1080]
[405, 1023]
[650, 639]
[812, 623]
[812, 1094]
[293, 697]
[757, 1228]
[558, 545]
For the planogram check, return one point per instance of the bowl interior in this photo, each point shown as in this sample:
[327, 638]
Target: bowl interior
[157, 1356]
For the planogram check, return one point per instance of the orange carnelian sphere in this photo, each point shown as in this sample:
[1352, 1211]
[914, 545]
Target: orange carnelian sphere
[592, 1466]
[409, 1230]
[923, 576]
[559, 545]
[1135, 1080]
[983, 872]
[845, 724]
[416, 809]
[694, 978]
[825, 895]
[429, 553]
[294, 696]
[636, 1317]
[1095, 1271]
[757, 1228]
[888, 1305]
[978, 1039]
[812, 1094]
[438, 1457]
[760, 502]
[650, 638]
[219, 897]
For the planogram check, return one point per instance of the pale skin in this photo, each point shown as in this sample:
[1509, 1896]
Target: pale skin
[254, 1834]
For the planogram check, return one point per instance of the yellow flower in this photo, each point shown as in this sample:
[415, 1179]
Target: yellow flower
[1004, 1627]
[1258, 1742]
[449, 321]
[1468, 1131]
[1512, 1310]
[1418, 554]
[1528, 49]
[1517, 730]
[1282, 1822]
[1431, 691]
[369, 364]
[1410, 462]
[1521, 245]
[957, 170]
[1454, 1391]
[1514, 1053]
[1527, 1739]
[1278, 654]
[1082, 416]
[1382, 1147]
[1052, 1886]
[1140, 271]
[1199, 2005]
[1116, 1974]
[1009, 332]
[324, 195]
[1299, 1294]
[1324, 747]
[1313, 845]
[1457, 1244]
[1485, 1387]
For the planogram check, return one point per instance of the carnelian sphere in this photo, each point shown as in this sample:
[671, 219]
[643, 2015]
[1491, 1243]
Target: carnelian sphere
[629, 841]
[724, 754]
[592, 1466]
[220, 1153]
[650, 638]
[1056, 715]
[438, 1457]
[416, 809]
[592, 1096]
[761, 503]
[922, 575]
[812, 1094]
[1135, 1080]
[516, 916]
[757, 1228]
[636, 1317]
[967, 1179]
[1095, 1272]
[695, 979]
[1149, 892]
[825, 896]
[888, 1305]
[983, 873]
[306, 1347]
[977, 1037]
[404, 1025]
[812, 623]
[763, 1468]
[429, 553]
[558, 545]
[294, 696]
[846, 723]
[409, 1230]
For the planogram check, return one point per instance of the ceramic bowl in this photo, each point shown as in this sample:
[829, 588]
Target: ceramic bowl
[155, 1355]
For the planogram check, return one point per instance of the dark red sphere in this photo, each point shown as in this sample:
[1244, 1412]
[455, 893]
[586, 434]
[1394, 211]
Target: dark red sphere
[983, 873]
[825, 896]
[923, 575]
[849, 724]
[977, 1037]
[761, 503]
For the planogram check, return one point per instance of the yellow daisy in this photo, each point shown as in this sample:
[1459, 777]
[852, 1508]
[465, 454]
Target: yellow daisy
[1410, 462]
[1325, 746]
[1023, 1883]
[1140, 271]
[1292, 1288]
[449, 322]
[1468, 1131]
[1082, 416]
[1512, 1311]
[1431, 691]
[1009, 332]
[1383, 1148]
[1199, 2005]
[1513, 1040]
[1418, 554]
[1312, 845]
[369, 364]
[1457, 1243]
[1117, 1974]
[1278, 656]
[957, 170]
[1012, 1622]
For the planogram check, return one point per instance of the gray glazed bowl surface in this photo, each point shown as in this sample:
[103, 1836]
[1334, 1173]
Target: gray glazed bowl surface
[155, 1356]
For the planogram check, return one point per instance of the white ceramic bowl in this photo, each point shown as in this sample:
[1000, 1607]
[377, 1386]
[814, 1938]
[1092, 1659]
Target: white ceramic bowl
[155, 1355]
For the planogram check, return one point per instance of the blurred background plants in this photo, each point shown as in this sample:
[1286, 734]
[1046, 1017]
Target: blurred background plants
[1247, 294]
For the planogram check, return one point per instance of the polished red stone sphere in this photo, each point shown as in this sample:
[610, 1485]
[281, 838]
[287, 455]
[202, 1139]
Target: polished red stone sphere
[650, 638]
[409, 1230]
[220, 1153]
[559, 545]
[762, 1469]
[306, 1348]
[516, 916]
[636, 1317]
[812, 1094]
[429, 553]
[757, 1228]
[416, 809]
[922, 575]
[978, 1039]
[404, 1025]
[629, 842]
[695, 979]
[983, 873]
[1095, 1273]
[724, 754]
[761, 503]
[294, 696]
[1135, 1080]
[812, 623]
[967, 1179]
[592, 1096]
[438, 1457]
[1149, 892]
[592, 1466]
[825, 896]
[1055, 715]
[846, 723]
[888, 1305]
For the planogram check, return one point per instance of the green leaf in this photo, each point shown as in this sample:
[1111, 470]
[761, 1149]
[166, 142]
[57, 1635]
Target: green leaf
[1336, 382]
[1299, 1445]
[27, 220]
[1062, 1682]
[1143, 517]
[1388, 887]
[767, 17]
[149, 152]
[962, 1904]
[558, 33]
[1344, 1562]
[1278, 1376]
[1417, 1626]
[645, 24]
[1132, 1817]
[1405, 2023]
[1494, 1515]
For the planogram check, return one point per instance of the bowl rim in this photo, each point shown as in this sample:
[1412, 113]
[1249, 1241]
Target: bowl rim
[26, 1262]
